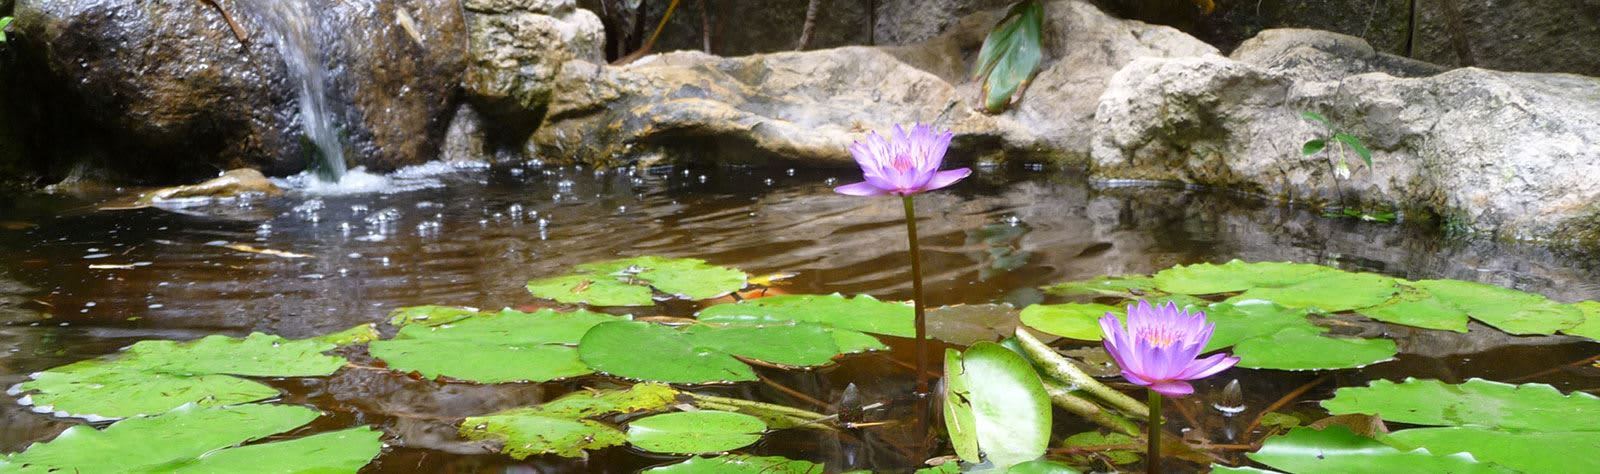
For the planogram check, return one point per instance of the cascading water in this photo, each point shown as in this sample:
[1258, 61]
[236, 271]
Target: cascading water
[293, 26]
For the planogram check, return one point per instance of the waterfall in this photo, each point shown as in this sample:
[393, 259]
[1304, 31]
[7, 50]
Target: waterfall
[293, 27]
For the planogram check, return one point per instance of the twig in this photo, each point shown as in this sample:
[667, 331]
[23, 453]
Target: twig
[1555, 369]
[810, 26]
[650, 42]
[1059, 367]
[792, 392]
[238, 30]
[1289, 397]
[705, 35]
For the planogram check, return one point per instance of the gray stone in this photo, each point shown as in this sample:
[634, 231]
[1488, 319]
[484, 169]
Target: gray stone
[467, 137]
[516, 49]
[1507, 154]
[1525, 35]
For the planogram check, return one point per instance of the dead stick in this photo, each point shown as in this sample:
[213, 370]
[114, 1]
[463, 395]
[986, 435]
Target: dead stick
[651, 41]
[1554, 369]
[793, 393]
[238, 30]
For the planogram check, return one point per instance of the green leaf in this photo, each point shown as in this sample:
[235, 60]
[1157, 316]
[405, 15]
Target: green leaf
[1356, 145]
[862, 313]
[1331, 291]
[965, 324]
[589, 404]
[192, 438]
[1244, 320]
[360, 334]
[792, 344]
[1313, 147]
[853, 342]
[961, 426]
[153, 377]
[686, 278]
[1094, 439]
[1040, 466]
[1010, 408]
[1476, 403]
[695, 432]
[1220, 469]
[739, 464]
[430, 315]
[524, 434]
[1315, 117]
[509, 346]
[4, 22]
[1011, 54]
[1552, 452]
[1071, 320]
[644, 351]
[1128, 286]
[593, 290]
[1419, 308]
[1590, 327]
[1300, 348]
[1337, 449]
[1506, 309]
[1206, 278]
[338, 451]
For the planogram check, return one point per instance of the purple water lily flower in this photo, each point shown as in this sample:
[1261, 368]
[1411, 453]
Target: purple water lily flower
[1159, 347]
[906, 164]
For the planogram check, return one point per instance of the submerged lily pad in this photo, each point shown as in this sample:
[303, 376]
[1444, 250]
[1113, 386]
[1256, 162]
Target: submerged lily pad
[1337, 449]
[196, 439]
[1010, 410]
[739, 464]
[629, 282]
[1299, 348]
[509, 346]
[1477, 403]
[152, 377]
[1095, 439]
[862, 313]
[1508, 310]
[965, 324]
[695, 432]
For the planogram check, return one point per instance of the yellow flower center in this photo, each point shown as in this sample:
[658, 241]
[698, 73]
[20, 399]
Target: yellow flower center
[1160, 337]
[901, 163]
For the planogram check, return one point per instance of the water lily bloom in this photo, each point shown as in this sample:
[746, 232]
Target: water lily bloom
[1159, 347]
[905, 164]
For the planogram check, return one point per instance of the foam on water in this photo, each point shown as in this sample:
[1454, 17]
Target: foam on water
[360, 181]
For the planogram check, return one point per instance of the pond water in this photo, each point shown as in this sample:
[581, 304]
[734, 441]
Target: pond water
[77, 283]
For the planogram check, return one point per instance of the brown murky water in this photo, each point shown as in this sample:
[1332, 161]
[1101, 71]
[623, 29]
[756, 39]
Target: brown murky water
[479, 238]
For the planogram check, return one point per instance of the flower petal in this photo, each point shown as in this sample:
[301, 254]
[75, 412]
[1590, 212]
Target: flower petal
[1136, 379]
[946, 178]
[864, 188]
[1208, 366]
[1173, 388]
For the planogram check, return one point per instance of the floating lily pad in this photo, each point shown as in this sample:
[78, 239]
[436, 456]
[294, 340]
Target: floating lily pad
[1041, 466]
[560, 427]
[1590, 327]
[1337, 449]
[855, 342]
[739, 464]
[1219, 469]
[1543, 452]
[961, 425]
[430, 315]
[687, 278]
[862, 313]
[1010, 410]
[1508, 310]
[1235, 276]
[1095, 439]
[1330, 291]
[1419, 308]
[792, 344]
[593, 290]
[1476, 403]
[509, 346]
[1130, 286]
[588, 404]
[193, 438]
[695, 432]
[702, 353]
[1299, 348]
[361, 334]
[153, 377]
[1244, 320]
[1079, 321]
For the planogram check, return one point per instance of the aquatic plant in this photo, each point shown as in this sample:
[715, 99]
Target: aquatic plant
[1158, 349]
[4, 22]
[904, 165]
[1341, 140]
[1010, 55]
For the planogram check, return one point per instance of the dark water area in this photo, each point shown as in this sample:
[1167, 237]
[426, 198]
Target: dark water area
[478, 238]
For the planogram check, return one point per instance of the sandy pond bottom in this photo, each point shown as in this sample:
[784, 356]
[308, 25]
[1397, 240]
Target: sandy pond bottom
[76, 283]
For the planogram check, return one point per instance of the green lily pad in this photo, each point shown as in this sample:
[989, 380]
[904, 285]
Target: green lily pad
[1545, 452]
[1244, 320]
[593, 290]
[1041, 466]
[855, 342]
[153, 377]
[1010, 409]
[702, 353]
[792, 344]
[695, 432]
[1220, 469]
[1329, 291]
[509, 346]
[587, 404]
[1299, 348]
[1079, 321]
[1129, 286]
[862, 313]
[1337, 449]
[1590, 327]
[430, 315]
[361, 334]
[1234, 276]
[193, 438]
[739, 464]
[1095, 439]
[961, 426]
[1476, 403]
[686, 278]
[1508, 310]
[1419, 308]
[559, 427]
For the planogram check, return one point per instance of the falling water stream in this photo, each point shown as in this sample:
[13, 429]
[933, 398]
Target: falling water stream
[293, 28]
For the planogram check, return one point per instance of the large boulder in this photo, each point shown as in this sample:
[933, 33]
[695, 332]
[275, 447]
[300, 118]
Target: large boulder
[807, 107]
[1501, 153]
[517, 47]
[173, 89]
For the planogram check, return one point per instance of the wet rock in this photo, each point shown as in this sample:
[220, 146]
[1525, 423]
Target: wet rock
[1528, 35]
[1499, 153]
[767, 26]
[233, 183]
[175, 91]
[807, 107]
[516, 49]
[465, 140]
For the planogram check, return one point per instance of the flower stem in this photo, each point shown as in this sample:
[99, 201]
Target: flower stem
[1152, 454]
[916, 296]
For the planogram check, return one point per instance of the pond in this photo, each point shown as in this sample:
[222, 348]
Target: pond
[78, 283]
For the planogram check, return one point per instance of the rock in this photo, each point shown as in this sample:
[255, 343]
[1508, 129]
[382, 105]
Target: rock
[1527, 35]
[1500, 153]
[465, 140]
[902, 22]
[233, 183]
[174, 90]
[516, 49]
[808, 107]
[742, 27]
